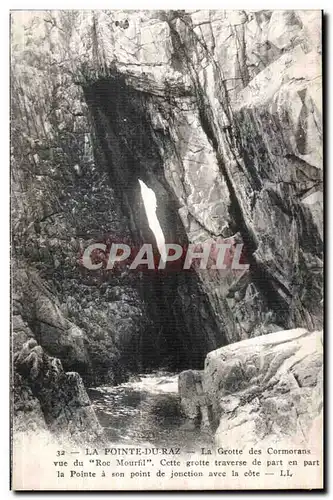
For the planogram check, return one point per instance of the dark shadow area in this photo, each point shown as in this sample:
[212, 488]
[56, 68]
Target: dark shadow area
[184, 327]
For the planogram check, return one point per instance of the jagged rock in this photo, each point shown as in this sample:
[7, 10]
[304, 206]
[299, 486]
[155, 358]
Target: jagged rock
[45, 397]
[223, 108]
[54, 332]
[219, 112]
[192, 398]
[28, 414]
[277, 32]
[20, 333]
[266, 389]
[100, 345]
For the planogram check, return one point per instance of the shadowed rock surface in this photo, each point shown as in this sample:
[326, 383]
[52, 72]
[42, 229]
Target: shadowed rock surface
[48, 398]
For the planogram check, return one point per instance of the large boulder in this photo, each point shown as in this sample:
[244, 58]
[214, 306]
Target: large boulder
[266, 389]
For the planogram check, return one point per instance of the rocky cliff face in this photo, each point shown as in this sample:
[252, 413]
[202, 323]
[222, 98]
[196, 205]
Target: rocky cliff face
[45, 397]
[260, 391]
[219, 112]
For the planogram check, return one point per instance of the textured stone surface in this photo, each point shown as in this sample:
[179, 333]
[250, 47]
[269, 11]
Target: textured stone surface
[267, 389]
[230, 102]
[48, 398]
[191, 394]
[219, 112]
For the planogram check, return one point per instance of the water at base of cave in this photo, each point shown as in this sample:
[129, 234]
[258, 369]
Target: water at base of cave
[146, 411]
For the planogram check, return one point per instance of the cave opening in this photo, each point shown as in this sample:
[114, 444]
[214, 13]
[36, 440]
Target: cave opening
[184, 326]
[150, 205]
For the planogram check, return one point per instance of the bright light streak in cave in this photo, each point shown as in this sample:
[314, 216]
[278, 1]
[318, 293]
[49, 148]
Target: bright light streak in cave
[149, 201]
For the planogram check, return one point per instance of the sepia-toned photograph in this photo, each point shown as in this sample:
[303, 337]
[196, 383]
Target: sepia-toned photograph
[166, 172]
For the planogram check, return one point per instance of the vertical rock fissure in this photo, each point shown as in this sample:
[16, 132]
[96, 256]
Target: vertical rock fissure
[181, 315]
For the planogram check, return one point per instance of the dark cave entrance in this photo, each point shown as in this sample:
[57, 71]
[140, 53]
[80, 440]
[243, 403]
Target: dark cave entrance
[184, 327]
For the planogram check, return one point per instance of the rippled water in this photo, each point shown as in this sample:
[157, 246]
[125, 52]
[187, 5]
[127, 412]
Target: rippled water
[146, 411]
